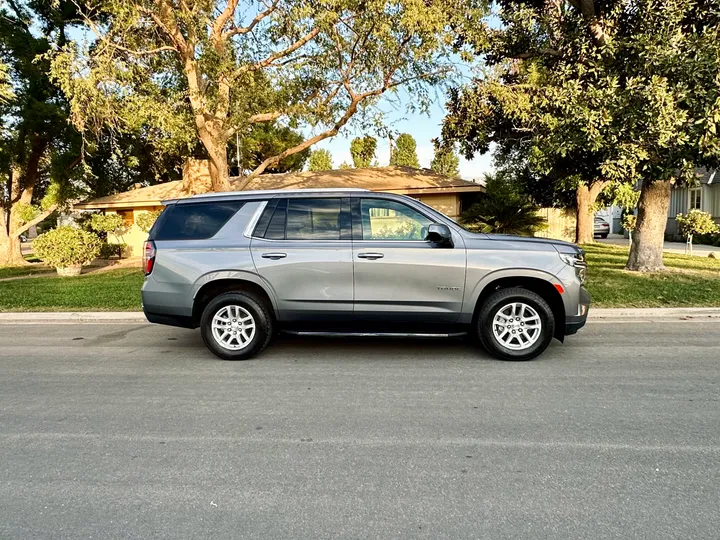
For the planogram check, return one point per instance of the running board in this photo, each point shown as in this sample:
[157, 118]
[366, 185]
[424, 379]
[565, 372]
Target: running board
[375, 334]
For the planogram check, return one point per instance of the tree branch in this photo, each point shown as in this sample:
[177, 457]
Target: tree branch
[351, 110]
[249, 28]
[22, 228]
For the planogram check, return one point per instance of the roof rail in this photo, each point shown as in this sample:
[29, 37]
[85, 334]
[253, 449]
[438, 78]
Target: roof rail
[263, 192]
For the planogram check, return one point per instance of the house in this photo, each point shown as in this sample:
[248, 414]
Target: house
[448, 195]
[705, 196]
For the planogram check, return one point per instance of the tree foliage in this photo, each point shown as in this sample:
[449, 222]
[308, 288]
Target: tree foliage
[446, 162]
[145, 220]
[503, 209]
[320, 160]
[362, 150]
[226, 65]
[404, 154]
[612, 91]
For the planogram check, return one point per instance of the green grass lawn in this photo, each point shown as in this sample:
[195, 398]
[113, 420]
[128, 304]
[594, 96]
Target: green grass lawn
[15, 271]
[113, 290]
[689, 281]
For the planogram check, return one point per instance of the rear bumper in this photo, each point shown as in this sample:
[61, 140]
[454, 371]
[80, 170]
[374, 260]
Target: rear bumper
[576, 321]
[170, 320]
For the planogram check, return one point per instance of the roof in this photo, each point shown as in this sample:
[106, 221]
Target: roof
[404, 180]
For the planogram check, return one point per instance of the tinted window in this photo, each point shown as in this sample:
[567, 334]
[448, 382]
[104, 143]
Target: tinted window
[313, 219]
[196, 221]
[390, 220]
[276, 228]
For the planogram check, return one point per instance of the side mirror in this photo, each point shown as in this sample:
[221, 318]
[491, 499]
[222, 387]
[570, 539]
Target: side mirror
[439, 233]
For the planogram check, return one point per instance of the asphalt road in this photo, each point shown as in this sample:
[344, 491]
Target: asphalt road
[135, 431]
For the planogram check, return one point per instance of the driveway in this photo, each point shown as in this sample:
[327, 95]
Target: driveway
[135, 431]
[699, 250]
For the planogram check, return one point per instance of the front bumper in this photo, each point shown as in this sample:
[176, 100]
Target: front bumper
[576, 321]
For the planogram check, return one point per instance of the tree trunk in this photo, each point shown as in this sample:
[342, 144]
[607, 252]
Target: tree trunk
[10, 247]
[217, 151]
[646, 251]
[219, 171]
[584, 225]
[585, 198]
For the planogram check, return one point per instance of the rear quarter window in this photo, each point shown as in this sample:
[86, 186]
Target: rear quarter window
[195, 221]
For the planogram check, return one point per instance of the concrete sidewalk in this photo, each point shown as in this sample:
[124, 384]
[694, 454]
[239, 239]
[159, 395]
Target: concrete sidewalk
[133, 317]
[699, 250]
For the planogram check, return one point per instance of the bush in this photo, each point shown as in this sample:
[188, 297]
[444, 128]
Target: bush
[108, 223]
[629, 222]
[66, 246]
[108, 251]
[711, 239]
[503, 209]
[146, 220]
[695, 222]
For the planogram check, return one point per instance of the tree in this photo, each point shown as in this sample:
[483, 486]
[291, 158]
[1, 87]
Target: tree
[34, 118]
[266, 140]
[502, 209]
[616, 91]
[226, 65]
[362, 150]
[405, 152]
[6, 91]
[446, 162]
[320, 160]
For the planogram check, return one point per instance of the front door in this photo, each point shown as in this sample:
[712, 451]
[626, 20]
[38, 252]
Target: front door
[399, 276]
[303, 249]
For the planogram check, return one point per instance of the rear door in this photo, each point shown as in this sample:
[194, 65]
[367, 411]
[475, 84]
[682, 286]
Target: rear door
[302, 247]
[399, 276]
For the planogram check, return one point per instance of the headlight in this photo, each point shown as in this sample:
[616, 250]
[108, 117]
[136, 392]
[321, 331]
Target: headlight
[577, 261]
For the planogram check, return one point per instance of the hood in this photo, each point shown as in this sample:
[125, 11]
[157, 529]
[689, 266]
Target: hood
[560, 245]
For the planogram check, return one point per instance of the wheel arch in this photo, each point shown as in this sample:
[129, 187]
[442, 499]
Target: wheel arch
[209, 288]
[535, 283]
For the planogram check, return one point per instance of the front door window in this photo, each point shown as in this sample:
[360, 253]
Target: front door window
[390, 220]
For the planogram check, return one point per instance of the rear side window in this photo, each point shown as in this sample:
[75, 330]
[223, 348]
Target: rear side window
[304, 219]
[195, 221]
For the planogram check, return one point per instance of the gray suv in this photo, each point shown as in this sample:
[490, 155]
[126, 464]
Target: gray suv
[245, 265]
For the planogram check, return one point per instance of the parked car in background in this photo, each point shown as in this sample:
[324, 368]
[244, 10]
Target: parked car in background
[601, 227]
[243, 265]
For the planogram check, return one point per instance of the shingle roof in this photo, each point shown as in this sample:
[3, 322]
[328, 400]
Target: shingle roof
[391, 179]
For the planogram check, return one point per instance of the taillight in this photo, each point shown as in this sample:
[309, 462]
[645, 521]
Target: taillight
[149, 253]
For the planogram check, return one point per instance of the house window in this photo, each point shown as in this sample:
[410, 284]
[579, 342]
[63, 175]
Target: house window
[695, 199]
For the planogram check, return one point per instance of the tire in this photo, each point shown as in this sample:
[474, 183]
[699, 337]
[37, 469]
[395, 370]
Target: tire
[515, 346]
[240, 309]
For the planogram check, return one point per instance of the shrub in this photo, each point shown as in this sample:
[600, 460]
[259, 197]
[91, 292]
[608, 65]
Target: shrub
[66, 246]
[145, 220]
[108, 251]
[695, 222]
[503, 209]
[629, 222]
[108, 223]
[711, 239]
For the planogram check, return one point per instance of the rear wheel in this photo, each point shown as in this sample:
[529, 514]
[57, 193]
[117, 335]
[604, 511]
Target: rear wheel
[236, 326]
[515, 324]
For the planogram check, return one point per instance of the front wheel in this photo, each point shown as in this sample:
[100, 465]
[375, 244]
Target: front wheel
[236, 326]
[515, 324]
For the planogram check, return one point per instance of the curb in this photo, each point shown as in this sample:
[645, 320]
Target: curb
[596, 314]
[651, 314]
[74, 317]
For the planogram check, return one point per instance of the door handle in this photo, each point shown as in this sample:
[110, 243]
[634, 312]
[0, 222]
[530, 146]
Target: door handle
[370, 256]
[274, 256]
